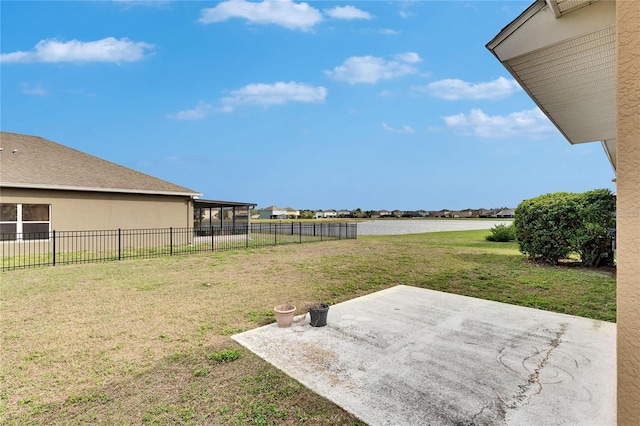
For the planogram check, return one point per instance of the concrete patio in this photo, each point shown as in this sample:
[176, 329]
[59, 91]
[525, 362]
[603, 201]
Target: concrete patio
[410, 356]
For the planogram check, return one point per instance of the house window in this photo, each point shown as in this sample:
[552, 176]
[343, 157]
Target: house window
[24, 221]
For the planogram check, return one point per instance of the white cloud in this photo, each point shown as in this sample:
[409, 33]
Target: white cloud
[454, 89]
[33, 89]
[286, 13]
[388, 31]
[175, 159]
[404, 129]
[386, 93]
[370, 69]
[408, 129]
[275, 94]
[410, 57]
[200, 111]
[531, 124]
[256, 94]
[405, 14]
[106, 50]
[347, 12]
[131, 3]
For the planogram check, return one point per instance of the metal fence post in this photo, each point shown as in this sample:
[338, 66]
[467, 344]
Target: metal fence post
[171, 241]
[54, 247]
[299, 230]
[119, 244]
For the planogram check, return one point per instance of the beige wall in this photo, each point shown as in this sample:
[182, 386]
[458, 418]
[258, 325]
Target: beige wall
[79, 211]
[628, 209]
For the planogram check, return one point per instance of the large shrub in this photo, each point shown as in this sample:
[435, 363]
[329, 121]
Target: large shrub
[502, 233]
[552, 226]
[593, 240]
[544, 226]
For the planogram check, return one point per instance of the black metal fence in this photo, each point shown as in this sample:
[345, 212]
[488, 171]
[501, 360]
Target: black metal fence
[67, 247]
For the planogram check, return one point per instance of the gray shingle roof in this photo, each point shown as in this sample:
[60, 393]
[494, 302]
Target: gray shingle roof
[34, 162]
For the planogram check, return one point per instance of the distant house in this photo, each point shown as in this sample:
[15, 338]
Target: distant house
[326, 214]
[489, 213]
[274, 212]
[292, 213]
[506, 213]
[442, 213]
[410, 213]
[345, 213]
[385, 213]
[47, 186]
[330, 214]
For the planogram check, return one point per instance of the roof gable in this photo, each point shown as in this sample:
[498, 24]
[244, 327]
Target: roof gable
[34, 162]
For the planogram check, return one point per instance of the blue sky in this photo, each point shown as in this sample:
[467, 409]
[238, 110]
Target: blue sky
[313, 105]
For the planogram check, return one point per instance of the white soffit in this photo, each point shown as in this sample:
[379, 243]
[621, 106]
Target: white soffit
[574, 83]
[566, 6]
[566, 64]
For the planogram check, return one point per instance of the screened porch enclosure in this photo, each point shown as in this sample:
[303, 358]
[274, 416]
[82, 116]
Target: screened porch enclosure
[214, 217]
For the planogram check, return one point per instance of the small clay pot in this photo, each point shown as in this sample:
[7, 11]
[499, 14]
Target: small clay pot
[284, 315]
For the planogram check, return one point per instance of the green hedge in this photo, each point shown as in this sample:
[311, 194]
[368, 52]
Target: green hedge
[553, 226]
[502, 233]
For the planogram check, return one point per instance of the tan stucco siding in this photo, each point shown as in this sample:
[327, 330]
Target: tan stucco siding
[79, 211]
[628, 209]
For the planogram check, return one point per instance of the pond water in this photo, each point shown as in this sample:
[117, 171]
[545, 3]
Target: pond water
[418, 226]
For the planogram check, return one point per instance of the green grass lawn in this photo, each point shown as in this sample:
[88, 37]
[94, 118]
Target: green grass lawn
[148, 341]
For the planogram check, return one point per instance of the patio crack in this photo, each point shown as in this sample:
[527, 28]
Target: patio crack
[496, 414]
[532, 386]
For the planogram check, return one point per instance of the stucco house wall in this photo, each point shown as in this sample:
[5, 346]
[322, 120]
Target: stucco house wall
[628, 209]
[83, 210]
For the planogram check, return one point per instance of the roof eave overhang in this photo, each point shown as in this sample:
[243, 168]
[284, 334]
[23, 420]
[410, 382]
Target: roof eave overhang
[96, 189]
[562, 53]
[221, 203]
[514, 25]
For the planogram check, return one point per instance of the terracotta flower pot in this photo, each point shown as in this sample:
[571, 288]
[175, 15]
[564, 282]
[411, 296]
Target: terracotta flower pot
[284, 315]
